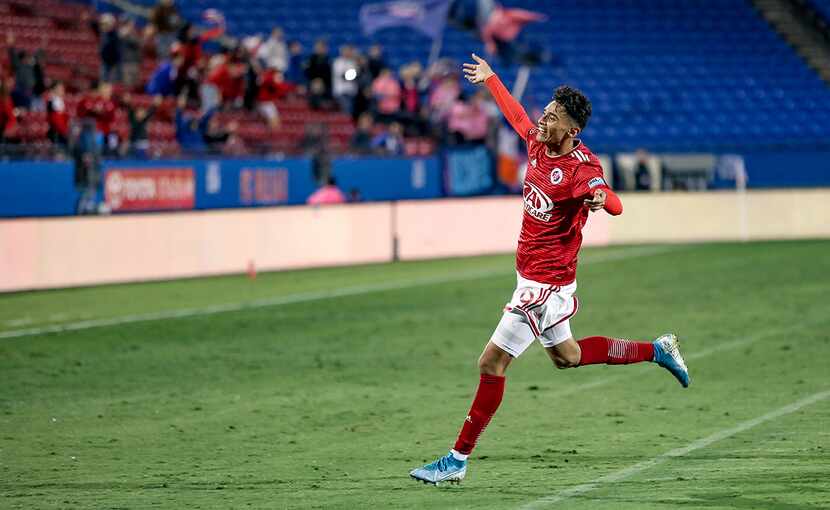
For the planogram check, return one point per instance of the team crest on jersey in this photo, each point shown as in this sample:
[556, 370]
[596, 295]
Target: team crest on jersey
[533, 162]
[537, 204]
[556, 175]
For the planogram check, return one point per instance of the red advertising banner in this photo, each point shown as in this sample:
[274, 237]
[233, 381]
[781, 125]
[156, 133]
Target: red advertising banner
[149, 189]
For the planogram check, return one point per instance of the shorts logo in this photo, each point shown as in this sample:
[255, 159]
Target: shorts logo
[596, 181]
[556, 175]
[537, 204]
[526, 296]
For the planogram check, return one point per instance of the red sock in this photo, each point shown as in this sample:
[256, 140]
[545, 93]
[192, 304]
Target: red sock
[613, 351]
[488, 398]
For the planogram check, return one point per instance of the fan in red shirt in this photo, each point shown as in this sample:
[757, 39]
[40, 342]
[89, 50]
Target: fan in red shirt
[57, 115]
[100, 107]
[563, 184]
[272, 88]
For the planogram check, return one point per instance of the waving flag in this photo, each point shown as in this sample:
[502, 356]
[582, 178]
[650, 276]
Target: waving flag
[426, 16]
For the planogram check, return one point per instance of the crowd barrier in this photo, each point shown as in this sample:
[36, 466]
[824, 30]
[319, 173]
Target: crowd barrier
[60, 252]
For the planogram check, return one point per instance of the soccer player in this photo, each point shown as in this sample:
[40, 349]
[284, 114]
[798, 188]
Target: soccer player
[564, 181]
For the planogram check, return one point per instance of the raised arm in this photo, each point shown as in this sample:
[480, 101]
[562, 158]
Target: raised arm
[510, 108]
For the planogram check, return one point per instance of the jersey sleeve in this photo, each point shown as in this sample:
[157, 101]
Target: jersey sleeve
[589, 178]
[510, 108]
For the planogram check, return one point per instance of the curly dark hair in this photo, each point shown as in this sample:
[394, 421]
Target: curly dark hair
[576, 104]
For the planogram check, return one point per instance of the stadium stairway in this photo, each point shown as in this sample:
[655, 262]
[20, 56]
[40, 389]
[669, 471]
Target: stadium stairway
[794, 22]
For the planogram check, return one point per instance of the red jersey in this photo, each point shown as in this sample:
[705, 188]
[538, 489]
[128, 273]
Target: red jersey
[554, 190]
[100, 109]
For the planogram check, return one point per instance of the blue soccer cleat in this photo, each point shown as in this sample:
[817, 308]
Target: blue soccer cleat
[445, 469]
[667, 355]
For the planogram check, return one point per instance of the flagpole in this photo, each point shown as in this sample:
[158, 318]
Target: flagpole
[522, 77]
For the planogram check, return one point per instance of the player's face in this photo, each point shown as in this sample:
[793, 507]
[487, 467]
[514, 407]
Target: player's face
[553, 124]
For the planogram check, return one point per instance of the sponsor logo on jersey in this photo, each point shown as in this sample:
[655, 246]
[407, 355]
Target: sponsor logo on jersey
[556, 175]
[537, 204]
[596, 181]
[533, 162]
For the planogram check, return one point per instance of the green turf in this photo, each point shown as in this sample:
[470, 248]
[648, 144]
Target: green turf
[329, 403]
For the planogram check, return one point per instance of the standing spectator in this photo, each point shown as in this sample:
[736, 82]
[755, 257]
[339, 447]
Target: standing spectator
[166, 20]
[272, 88]
[344, 78]
[130, 53]
[468, 122]
[57, 115]
[100, 108]
[327, 194]
[361, 141]
[443, 97]
[375, 62]
[190, 127]
[642, 175]
[8, 116]
[362, 102]
[110, 49]
[390, 142]
[411, 113]
[24, 66]
[139, 118]
[273, 52]
[318, 66]
[163, 80]
[387, 93]
[295, 73]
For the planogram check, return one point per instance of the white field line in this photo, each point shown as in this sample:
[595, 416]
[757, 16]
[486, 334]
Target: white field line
[677, 452]
[307, 296]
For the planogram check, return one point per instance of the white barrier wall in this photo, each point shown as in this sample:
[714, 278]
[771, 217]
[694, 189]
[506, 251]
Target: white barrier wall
[46, 253]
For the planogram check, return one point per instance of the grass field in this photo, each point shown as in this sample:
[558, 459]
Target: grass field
[286, 398]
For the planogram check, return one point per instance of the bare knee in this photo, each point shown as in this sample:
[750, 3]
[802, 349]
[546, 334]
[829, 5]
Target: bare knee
[493, 361]
[490, 366]
[569, 360]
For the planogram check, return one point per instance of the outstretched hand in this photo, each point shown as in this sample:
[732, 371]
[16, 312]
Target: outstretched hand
[478, 72]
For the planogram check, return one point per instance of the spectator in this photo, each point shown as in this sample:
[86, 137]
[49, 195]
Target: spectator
[100, 108]
[361, 141]
[443, 97]
[411, 110]
[8, 116]
[25, 68]
[327, 194]
[469, 122]
[57, 115]
[375, 62]
[317, 97]
[110, 49]
[226, 77]
[273, 52]
[166, 20]
[216, 137]
[295, 64]
[387, 93]
[318, 66]
[189, 47]
[344, 78]
[272, 88]
[163, 80]
[362, 102]
[314, 145]
[390, 142]
[191, 128]
[130, 53]
[139, 118]
[642, 175]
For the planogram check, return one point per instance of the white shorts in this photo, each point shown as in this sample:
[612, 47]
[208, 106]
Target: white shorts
[537, 310]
